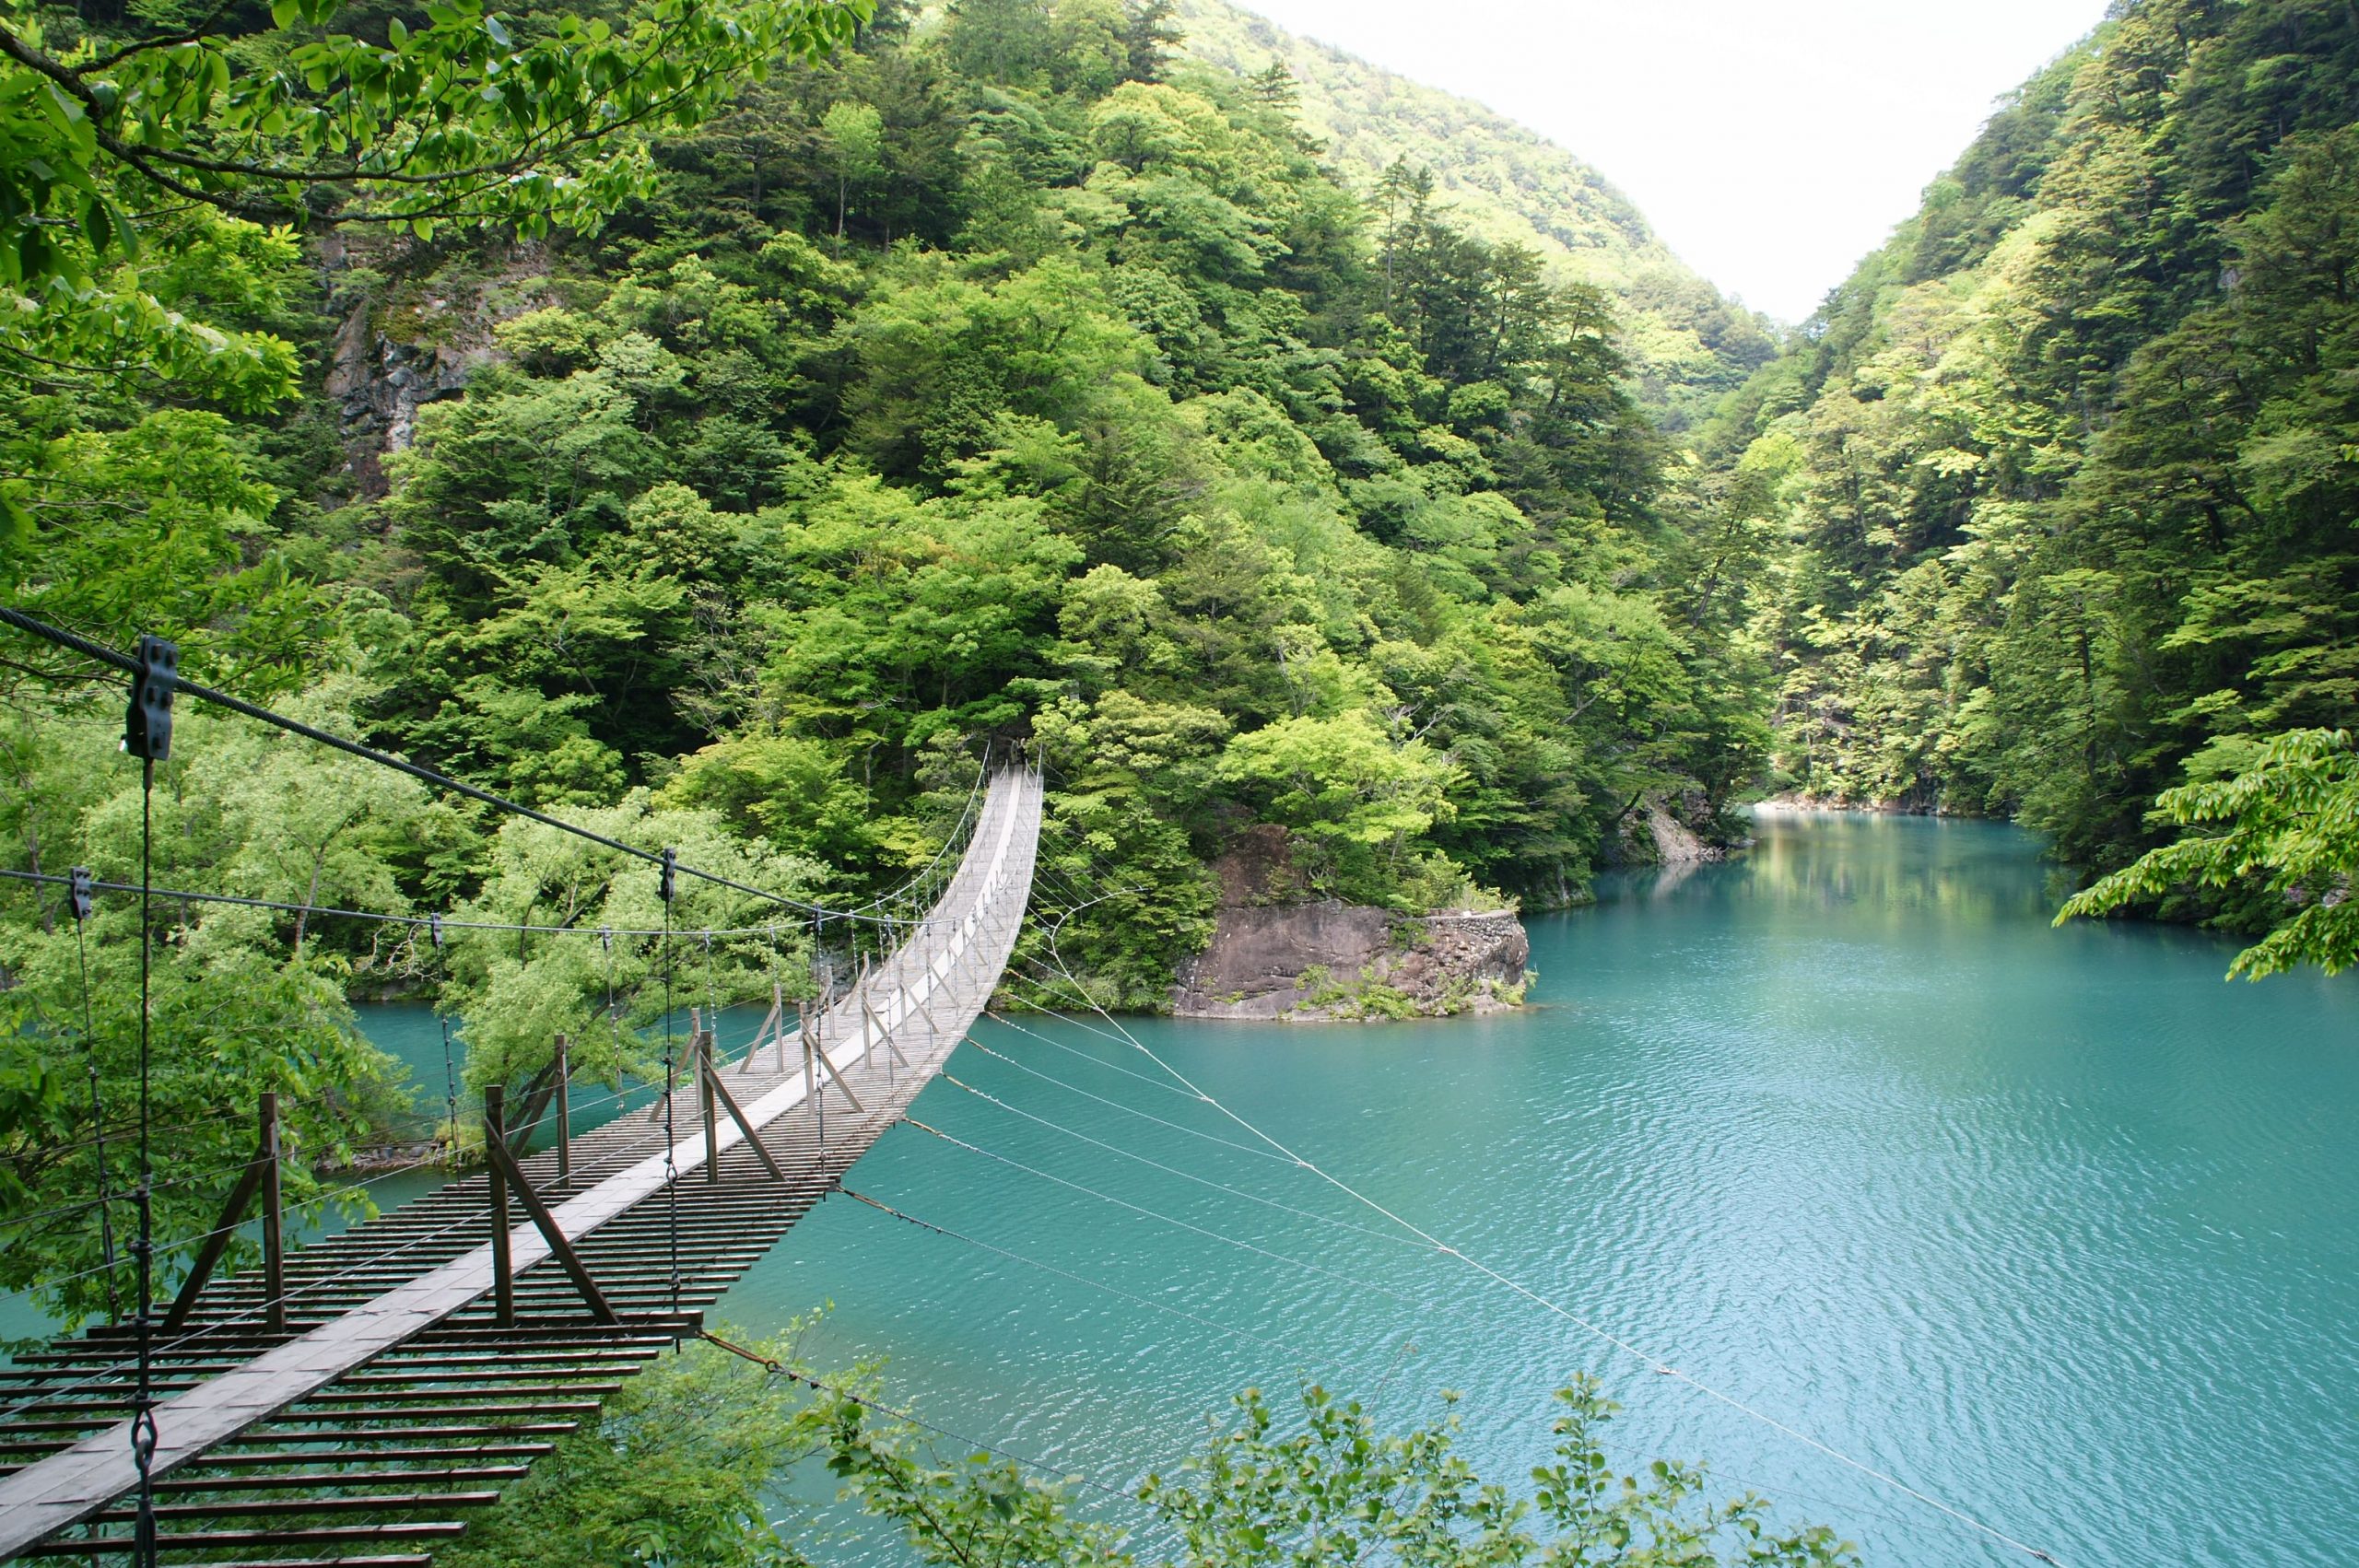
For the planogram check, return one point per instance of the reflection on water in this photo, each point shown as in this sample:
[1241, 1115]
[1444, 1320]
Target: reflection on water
[2048, 1222]
[2055, 1225]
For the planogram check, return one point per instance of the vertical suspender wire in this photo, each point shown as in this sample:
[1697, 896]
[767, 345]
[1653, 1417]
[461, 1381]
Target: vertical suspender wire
[450, 1073]
[670, 1088]
[606, 943]
[142, 1407]
[711, 995]
[98, 1115]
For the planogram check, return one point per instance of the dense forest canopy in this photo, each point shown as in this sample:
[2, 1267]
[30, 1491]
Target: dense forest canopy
[726, 421]
[2062, 479]
[985, 377]
[1686, 345]
[732, 455]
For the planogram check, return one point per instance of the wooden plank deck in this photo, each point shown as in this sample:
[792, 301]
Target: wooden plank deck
[405, 1296]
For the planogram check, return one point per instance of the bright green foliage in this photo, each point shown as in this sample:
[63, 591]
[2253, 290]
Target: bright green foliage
[452, 118]
[1337, 1491]
[518, 991]
[1354, 797]
[2284, 828]
[246, 999]
[1684, 343]
[2070, 462]
[1113, 423]
[680, 1467]
[675, 1468]
[145, 321]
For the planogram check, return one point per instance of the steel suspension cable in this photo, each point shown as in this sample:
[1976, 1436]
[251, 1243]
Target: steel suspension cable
[1173, 1170]
[1127, 1110]
[780, 1369]
[1656, 1363]
[941, 1230]
[670, 1088]
[63, 638]
[1165, 1218]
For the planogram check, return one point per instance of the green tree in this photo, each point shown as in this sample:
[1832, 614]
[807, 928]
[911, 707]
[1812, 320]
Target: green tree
[855, 134]
[1337, 1491]
[2282, 830]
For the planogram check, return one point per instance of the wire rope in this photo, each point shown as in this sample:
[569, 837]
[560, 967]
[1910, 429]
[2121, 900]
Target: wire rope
[1116, 1104]
[1184, 1176]
[780, 1369]
[671, 1089]
[1157, 1214]
[976, 1242]
[142, 1419]
[1655, 1362]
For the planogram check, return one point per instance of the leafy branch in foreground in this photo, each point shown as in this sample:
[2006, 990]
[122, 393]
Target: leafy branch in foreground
[458, 119]
[1335, 1491]
[2289, 821]
[114, 149]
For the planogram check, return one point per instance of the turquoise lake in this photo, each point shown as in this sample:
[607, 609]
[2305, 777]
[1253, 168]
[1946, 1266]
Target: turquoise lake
[2056, 1226]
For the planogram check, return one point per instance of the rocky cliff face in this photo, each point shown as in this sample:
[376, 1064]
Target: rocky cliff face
[380, 378]
[1312, 961]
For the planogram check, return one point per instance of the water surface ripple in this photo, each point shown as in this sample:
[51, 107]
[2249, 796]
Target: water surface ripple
[2055, 1225]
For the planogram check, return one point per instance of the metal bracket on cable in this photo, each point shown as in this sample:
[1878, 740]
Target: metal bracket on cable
[147, 722]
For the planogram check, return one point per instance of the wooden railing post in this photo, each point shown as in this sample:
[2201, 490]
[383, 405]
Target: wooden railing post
[503, 1276]
[564, 1113]
[274, 1246]
[811, 1079]
[701, 1048]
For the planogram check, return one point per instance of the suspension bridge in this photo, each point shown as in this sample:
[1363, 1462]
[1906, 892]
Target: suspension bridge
[352, 1403]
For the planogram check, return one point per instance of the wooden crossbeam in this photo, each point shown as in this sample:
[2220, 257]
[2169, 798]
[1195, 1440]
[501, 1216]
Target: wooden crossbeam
[715, 1089]
[504, 1175]
[261, 1175]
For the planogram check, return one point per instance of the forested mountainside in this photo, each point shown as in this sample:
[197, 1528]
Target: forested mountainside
[1688, 345]
[2068, 466]
[1003, 379]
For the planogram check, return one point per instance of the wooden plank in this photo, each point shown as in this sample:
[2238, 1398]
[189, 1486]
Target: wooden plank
[946, 978]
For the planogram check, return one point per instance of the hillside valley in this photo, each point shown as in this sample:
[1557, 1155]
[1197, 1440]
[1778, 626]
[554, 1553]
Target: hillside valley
[531, 541]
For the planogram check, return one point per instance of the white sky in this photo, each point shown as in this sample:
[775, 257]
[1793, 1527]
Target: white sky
[1772, 143]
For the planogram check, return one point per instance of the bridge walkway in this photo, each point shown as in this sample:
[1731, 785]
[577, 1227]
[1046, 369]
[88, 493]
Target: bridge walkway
[395, 1400]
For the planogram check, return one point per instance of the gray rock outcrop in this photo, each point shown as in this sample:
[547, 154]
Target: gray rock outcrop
[1320, 960]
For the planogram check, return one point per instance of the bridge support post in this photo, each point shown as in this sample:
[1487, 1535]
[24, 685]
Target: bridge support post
[715, 1089]
[564, 1113]
[811, 1080]
[507, 1176]
[273, 1243]
[261, 1171]
[878, 1031]
[700, 1049]
[775, 1018]
[495, 1143]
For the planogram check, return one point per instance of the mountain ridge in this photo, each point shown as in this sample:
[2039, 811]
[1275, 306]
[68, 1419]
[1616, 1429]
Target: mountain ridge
[1687, 342]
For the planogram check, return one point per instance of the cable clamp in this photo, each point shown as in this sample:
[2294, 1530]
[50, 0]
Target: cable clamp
[147, 722]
